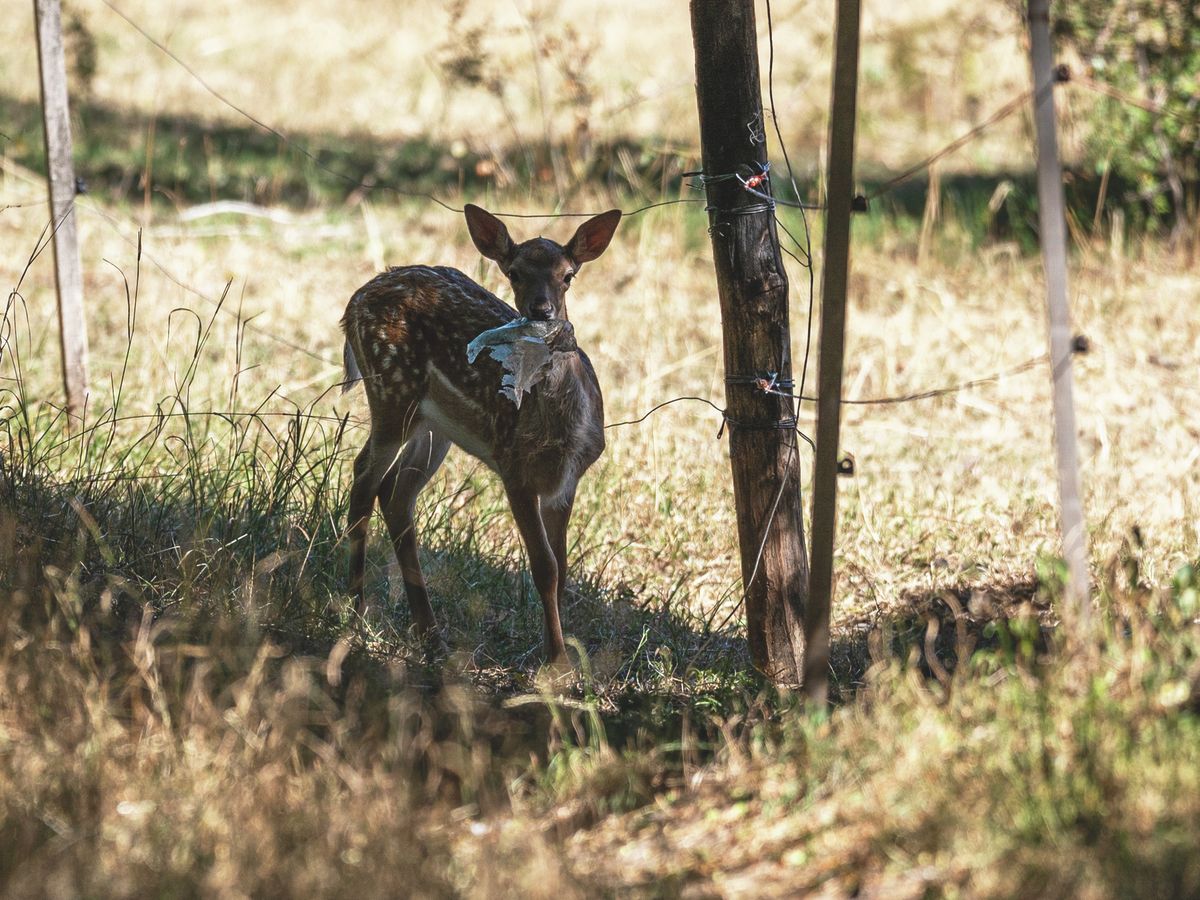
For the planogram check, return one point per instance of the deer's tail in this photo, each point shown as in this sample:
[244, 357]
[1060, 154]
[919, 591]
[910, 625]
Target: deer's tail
[353, 372]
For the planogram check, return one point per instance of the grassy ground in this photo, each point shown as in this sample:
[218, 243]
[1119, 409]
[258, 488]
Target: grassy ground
[189, 707]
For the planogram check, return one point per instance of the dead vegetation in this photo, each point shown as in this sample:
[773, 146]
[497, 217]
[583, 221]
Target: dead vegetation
[188, 706]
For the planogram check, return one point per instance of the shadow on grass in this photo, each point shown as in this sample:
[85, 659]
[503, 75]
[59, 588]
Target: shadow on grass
[188, 160]
[938, 630]
[178, 600]
[207, 591]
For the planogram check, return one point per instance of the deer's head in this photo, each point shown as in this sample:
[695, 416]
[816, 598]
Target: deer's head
[540, 270]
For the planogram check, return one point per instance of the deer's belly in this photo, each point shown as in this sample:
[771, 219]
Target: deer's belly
[457, 417]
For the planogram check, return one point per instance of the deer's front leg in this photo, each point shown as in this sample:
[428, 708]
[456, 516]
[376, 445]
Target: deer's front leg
[556, 517]
[543, 565]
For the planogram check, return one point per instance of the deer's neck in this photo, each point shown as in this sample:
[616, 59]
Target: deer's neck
[560, 428]
[570, 393]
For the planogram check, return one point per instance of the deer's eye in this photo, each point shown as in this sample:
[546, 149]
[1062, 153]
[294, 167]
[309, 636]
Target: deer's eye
[567, 278]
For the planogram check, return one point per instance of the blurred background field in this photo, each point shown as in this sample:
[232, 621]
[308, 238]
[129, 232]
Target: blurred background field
[182, 669]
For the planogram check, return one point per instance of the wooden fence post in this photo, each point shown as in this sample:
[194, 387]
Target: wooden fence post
[1053, 234]
[61, 178]
[753, 289]
[839, 203]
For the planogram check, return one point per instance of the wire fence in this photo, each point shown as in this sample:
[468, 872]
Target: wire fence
[1157, 109]
[756, 184]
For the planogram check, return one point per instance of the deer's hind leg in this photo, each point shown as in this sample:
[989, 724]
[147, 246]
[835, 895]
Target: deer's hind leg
[397, 494]
[371, 466]
[358, 524]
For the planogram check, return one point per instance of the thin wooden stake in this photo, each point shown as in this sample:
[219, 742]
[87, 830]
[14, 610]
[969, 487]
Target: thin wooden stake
[1052, 220]
[833, 336]
[61, 177]
[753, 290]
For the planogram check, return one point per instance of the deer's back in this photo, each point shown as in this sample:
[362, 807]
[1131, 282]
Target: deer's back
[414, 314]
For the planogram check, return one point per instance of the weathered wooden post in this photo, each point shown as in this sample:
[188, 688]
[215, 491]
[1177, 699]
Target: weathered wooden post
[61, 177]
[1053, 234]
[753, 292]
[838, 203]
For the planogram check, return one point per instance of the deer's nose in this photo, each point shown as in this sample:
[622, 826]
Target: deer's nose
[541, 310]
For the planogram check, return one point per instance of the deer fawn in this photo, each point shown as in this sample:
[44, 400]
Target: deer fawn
[407, 332]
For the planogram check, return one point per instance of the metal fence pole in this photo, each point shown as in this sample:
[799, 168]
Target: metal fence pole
[1053, 233]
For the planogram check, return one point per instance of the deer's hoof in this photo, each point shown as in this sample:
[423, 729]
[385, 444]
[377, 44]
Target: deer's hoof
[434, 644]
[557, 675]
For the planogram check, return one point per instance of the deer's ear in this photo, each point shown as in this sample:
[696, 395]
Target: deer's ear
[488, 233]
[593, 236]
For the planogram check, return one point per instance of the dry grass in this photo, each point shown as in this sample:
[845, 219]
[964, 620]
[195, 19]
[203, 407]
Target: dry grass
[1077, 778]
[950, 491]
[189, 707]
[954, 494]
